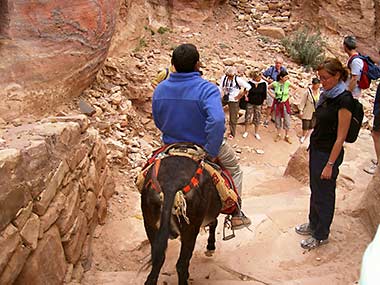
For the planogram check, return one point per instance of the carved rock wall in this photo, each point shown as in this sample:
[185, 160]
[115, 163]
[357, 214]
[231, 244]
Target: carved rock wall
[50, 50]
[54, 187]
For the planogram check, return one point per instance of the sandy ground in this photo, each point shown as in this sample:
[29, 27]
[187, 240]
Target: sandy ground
[269, 253]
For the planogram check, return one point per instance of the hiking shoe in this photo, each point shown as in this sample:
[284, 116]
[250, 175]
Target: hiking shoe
[287, 139]
[312, 243]
[245, 134]
[257, 136]
[304, 229]
[371, 169]
[239, 222]
[278, 138]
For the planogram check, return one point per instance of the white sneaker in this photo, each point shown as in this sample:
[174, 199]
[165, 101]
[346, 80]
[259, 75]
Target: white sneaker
[245, 134]
[302, 139]
[257, 136]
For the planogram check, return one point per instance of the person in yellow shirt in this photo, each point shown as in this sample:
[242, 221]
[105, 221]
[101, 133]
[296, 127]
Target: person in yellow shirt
[162, 75]
[307, 108]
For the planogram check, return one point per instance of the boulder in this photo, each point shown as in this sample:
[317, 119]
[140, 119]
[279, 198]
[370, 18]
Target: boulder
[52, 49]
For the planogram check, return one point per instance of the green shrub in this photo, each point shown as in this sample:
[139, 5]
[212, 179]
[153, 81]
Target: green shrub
[305, 48]
[162, 30]
[142, 43]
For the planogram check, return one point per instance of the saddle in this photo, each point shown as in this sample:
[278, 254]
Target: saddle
[220, 176]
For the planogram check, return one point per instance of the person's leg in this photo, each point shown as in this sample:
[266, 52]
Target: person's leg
[256, 120]
[322, 213]
[376, 136]
[371, 169]
[248, 118]
[287, 125]
[278, 123]
[233, 111]
[227, 157]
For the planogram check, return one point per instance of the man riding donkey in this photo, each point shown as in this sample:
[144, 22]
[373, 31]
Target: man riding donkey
[188, 108]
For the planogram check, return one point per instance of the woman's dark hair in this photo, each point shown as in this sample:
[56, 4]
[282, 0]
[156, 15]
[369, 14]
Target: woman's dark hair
[315, 80]
[282, 74]
[185, 57]
[333, 66]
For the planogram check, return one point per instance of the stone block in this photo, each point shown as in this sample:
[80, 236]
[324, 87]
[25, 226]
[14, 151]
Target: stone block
[15, 266]
[9, 240]
[70, 211]
[77, 155]
[11, 201]
[91, 180]
[77, 273]
[44, 199]
[30, 232]
[270, 31]
[99, 155]
[91, 200]
[47, 264]
[102, 210]
[53, 211]
[22, 216]
[74, 243]
[69, 273]
[108, 187]
[86, 256]
[82, 120]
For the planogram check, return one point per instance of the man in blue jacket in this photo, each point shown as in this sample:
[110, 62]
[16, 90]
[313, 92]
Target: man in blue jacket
[188, 108]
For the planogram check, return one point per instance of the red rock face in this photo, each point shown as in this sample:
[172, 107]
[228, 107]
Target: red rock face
[50, 50]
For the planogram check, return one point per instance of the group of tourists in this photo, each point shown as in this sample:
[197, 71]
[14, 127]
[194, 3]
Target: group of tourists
[188, 108]
[268, 92]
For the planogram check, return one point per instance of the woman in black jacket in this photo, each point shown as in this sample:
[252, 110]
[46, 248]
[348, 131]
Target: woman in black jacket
[254, 99]
[333, 116]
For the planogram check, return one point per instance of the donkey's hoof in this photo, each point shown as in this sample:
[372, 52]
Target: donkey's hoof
[209, 253]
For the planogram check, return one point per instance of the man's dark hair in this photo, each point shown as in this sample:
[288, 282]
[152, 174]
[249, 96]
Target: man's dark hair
[315, 80]
[185, 57]
[350, 42]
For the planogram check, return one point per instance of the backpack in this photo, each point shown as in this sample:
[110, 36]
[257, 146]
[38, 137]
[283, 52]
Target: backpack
[370, 70]
[356, 122]
[356, 118]
[225, 80]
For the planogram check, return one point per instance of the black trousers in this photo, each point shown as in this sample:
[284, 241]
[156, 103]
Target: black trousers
[322, 198]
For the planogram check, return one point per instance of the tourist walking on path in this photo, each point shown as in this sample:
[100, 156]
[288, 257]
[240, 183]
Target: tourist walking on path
[232, 87]
[333, 116]
[281, 105]
[254, 98]
[307, 108]
[355, 65]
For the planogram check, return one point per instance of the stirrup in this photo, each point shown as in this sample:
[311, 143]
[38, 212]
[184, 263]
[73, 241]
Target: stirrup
[227, 225]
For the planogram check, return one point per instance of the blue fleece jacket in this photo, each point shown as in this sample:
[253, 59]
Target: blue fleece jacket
[188, 108]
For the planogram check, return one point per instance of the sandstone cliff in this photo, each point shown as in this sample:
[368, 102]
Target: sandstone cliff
[50, 50]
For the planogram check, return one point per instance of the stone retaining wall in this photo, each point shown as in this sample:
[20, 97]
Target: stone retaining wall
[54, 187]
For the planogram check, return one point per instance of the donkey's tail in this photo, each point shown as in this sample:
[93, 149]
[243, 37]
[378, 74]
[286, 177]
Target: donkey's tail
[161, 240]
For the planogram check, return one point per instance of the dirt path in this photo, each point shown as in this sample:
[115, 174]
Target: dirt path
[270, 253]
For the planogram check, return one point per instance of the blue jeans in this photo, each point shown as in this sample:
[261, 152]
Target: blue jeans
[322, 198]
